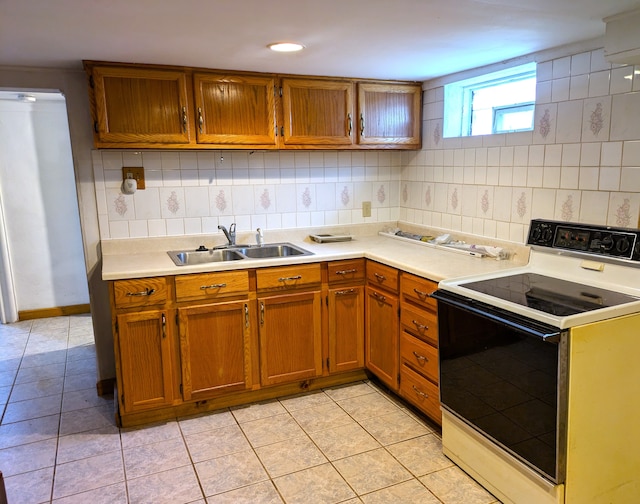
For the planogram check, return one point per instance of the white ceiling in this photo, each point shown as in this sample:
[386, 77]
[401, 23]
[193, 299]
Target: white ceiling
[386, 39]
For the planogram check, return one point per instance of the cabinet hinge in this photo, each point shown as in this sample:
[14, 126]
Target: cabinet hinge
[280, 91]
[177, 319]
[326, 300]
[95, 127]
[91, 82]
[327, 362]
[122, 398]
[181, 389]
[117, 328]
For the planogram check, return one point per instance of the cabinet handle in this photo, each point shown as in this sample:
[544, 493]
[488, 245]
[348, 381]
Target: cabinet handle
[346, 272]
[421, 294]
[286, 279]
[361, 124]
[246, 315]
[146, 292]
[261, 313]
[420, 326]
[379, 277]
[213, 286]
[419, 392]
[379, 297]
[184, 119]
[345, 292]
[164, 326]
[200, 119]
[349, 127]
[420, 357]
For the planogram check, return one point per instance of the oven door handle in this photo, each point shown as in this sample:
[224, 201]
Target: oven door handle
[545, 332]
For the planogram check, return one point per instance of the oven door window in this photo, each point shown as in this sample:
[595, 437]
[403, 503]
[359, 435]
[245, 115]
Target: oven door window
[503, 381]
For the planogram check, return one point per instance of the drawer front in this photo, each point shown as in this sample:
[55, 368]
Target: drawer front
[211, 286]
[346, 271]
[381, 276]
[288, 277]
[140, 292]
[420, 323]
[421, 392]
[418, 291]
[419, 355]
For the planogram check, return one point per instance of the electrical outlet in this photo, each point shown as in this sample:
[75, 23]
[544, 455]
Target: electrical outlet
[134, 172]
[366, 209]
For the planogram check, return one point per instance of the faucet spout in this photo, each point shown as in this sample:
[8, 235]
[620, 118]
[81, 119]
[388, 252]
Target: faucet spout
[230, 234]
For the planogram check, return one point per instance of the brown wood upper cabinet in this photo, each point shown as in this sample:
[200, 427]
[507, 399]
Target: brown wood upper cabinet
[140, 106]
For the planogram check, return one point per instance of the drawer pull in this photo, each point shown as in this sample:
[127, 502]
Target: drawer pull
[379, 277]
[346, 272]
[422, 295]
[420, 326]
[146, 292]
[261, 313]
[345, 292]
[419, 392]
[379, 297]
[286, 279]
[213, 286]
[420, 357]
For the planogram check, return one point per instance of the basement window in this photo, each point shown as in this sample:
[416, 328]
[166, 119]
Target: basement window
[498, 102]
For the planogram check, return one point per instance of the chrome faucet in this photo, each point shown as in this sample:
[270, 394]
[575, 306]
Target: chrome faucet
[230, 234]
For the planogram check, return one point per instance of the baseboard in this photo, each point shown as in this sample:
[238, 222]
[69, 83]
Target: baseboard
[54, 312]
[106, 387]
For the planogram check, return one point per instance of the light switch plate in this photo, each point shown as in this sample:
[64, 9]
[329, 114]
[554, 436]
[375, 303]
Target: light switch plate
[366, 209]
[135, 172]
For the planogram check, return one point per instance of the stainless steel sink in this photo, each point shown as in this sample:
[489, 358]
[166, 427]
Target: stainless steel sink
[272, 250]
[189, 257]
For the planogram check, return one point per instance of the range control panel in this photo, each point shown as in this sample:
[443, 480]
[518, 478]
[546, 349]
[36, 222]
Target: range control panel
[618, 243]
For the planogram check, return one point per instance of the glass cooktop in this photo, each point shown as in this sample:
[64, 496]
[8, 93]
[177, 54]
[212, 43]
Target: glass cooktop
[550, 295]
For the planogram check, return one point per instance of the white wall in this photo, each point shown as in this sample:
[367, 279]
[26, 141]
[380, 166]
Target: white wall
[40, 204]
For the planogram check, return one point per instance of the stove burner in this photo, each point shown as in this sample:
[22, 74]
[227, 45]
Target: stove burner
[550, 295]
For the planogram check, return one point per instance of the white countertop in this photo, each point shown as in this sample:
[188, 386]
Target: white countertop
[124, 261]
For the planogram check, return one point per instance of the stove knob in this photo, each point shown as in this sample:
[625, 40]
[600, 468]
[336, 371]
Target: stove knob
[547, 234]
[536, 233]
[607, 243]
[622, 245]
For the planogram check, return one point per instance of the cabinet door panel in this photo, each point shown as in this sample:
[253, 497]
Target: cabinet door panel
[235, 109]
[145, 360]
[382, 336]
[290, 337]
[214, 346]
[141, 105]
[346, 329]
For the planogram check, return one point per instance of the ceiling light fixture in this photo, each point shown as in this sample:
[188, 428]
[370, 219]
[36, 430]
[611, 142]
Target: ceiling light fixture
[286, 47]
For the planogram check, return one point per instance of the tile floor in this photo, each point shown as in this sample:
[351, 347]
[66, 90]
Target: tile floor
[59, 443]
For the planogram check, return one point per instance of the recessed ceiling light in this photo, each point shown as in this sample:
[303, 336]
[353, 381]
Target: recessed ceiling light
[286, 47]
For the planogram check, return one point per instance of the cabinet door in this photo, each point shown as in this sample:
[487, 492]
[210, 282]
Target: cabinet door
[144, 352]
[215, 349]
[290, 337]
[317, 112]
[381, 345]
[389, 114]
[346, 329]
[235, 109]
[142, 106]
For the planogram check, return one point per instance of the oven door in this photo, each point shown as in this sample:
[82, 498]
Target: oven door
[505, 376]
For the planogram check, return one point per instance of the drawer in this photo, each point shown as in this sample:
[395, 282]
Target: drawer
[421, 356]
[288, 277]
[421, 392]
[210, 286]
[420, 323]
[140, 292]
[418, 290]
[381, 276]
[346, 271]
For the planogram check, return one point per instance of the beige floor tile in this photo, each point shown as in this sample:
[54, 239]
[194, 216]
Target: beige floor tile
[148, 434]
[31, 487]
[88, 444]
[31, 360]
[371, 471]
[81, 399]
[88, 474]
[4, 395]
[47, 372]
[367, 406]
[318, 485]
[230, 472]
[176, 486]
[80, 382]
[28, 457]
[421, 455]
[32, 408]
[394, 427]
[290, 456]
[271, 430]
[344, 441]
[260, 493]
[206, 421]
[156, 457]
[307, 400]
[325, 416]
[80, 366]
[112, 494]
[348, 391]
[7, 378]
[86, 419]
[409, 492]
[453, 486]
[216, 443]
[256, 411]
[29, 431]
[79, 352]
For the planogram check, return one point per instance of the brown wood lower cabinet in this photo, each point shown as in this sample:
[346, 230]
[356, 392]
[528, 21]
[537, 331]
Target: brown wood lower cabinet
[381, 352]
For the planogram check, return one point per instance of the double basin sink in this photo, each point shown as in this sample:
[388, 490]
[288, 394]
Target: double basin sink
[236, 253]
